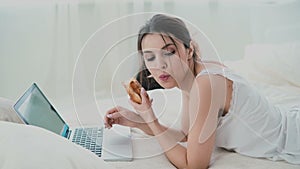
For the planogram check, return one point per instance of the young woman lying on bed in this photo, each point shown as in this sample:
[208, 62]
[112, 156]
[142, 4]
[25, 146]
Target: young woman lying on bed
[219, 107]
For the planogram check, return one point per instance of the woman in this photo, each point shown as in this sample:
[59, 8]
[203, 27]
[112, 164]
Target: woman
[219, 107]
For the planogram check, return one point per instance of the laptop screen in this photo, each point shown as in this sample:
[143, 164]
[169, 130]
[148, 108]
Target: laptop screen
[35, 109]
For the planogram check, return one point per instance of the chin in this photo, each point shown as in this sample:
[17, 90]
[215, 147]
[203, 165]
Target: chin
[168, 85]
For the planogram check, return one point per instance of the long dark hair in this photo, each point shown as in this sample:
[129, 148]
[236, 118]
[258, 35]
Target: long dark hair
[168, 26]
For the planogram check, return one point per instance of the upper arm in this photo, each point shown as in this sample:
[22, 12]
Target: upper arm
[207, 97]
[185, 113]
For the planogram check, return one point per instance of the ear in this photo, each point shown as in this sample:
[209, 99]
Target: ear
[191, 50]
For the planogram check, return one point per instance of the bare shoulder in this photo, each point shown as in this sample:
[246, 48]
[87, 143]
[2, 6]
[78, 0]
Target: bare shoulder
[210, 81]
[211, 87]
[216, 88]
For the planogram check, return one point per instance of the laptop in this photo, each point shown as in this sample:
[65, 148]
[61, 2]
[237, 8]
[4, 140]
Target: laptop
[111, 145]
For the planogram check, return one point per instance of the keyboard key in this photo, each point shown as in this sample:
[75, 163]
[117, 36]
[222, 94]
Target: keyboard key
[90, 138]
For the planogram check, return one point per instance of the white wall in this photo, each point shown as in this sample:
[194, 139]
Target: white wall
[40, 41]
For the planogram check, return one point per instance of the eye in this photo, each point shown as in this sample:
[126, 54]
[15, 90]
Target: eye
[149, 58]
[169, 53]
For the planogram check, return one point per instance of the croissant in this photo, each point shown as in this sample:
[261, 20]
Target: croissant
[134, 90]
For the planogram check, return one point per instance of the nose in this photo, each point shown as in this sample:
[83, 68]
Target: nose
[162, 64]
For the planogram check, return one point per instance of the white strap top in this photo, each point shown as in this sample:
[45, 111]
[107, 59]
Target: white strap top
[253, 126]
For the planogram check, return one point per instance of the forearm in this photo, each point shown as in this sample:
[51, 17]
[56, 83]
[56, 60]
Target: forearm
[176, 153]
[145, 128]
[176, 134]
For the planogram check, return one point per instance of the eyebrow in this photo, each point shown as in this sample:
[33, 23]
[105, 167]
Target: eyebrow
[164, 47]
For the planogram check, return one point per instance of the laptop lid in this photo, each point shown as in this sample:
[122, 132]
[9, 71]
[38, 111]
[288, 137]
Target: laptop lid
[35, 109]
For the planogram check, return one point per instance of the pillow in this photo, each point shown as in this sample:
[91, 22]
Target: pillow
[277, 64]
[28, 147]
[7, 112]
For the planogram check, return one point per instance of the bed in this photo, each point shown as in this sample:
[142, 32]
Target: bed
[272, 68]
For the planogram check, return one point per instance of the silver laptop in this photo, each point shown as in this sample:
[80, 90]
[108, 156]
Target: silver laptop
[111, 145]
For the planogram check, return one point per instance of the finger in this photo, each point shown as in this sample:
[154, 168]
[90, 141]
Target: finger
[107, 122]
[114, 115]
[107, 125]
[144, 94]
[115, 109]
[133, 103]
[114, 118]
[110, 123]
[145, 97]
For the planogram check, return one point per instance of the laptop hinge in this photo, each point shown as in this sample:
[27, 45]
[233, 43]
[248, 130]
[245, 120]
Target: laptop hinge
[69, 133]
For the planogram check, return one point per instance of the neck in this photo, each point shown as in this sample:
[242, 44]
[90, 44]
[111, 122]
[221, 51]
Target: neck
[188, 81]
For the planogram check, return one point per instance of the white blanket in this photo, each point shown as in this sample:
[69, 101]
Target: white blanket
[29, 147]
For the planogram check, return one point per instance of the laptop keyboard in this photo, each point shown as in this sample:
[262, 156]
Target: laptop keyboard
[89, 138]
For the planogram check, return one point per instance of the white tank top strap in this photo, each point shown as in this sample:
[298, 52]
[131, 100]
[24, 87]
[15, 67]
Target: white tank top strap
[225, 72]
[221, 71]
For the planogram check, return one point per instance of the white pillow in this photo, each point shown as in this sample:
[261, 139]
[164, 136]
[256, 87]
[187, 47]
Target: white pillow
[277, 64]
[29, 147]
[7, 112]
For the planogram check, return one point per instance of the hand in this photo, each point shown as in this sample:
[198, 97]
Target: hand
[122, 116]
[145, 108]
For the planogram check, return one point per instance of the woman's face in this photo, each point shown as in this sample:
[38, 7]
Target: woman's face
[167, 64]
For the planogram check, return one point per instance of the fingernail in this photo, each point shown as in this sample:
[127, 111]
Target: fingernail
[109, 116]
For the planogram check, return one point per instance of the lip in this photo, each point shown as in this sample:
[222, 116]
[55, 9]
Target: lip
[164, 77]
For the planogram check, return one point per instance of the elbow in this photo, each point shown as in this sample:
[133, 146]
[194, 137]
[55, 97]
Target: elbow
[200, 167]
[189, 166]
[196, 166]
